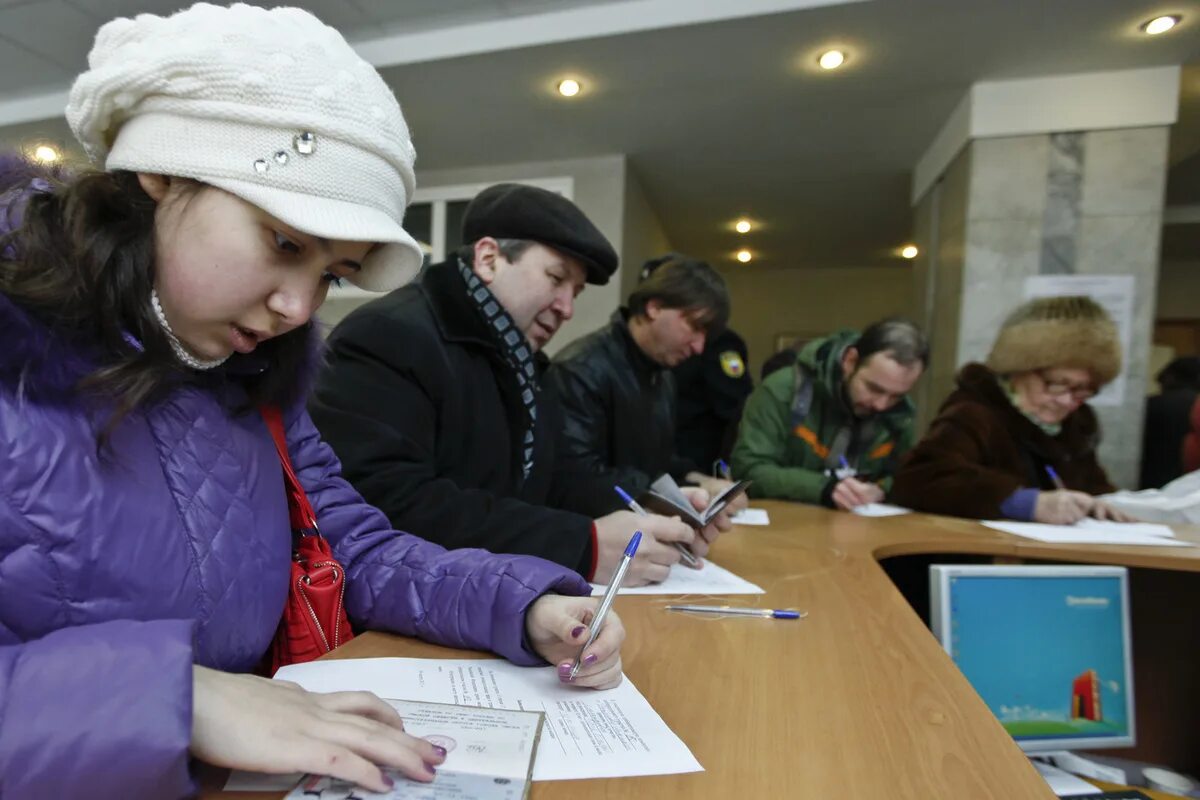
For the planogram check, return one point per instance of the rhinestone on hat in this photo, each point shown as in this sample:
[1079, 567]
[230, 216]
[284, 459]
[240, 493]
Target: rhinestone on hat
[281, 157]
[305, 143]
[261, 166]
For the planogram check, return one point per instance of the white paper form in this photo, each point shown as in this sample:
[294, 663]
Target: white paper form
[1093, 531]
[587, 734]
[880, 510]
[751, 516]
[709, 579]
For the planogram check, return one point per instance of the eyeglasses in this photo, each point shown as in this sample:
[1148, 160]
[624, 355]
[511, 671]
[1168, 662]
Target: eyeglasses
[1058, 388]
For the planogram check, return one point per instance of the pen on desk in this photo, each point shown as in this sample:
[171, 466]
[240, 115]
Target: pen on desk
[609, 595]
[737, 611]
[688, 556]
[1058, 483]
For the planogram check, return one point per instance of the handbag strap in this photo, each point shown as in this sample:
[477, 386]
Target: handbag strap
[304, 520]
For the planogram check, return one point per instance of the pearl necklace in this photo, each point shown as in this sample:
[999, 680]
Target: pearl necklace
[181, 353]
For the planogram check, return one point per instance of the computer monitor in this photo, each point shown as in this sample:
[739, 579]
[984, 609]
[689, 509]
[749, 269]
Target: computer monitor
[1047, 648]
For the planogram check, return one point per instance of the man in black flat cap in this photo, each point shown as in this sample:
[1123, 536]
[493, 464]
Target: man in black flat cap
[432, 396]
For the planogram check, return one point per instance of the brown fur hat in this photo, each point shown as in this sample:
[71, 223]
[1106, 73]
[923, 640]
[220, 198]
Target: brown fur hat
[1058, 332]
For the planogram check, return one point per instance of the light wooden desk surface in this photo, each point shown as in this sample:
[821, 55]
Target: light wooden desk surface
[856, 701]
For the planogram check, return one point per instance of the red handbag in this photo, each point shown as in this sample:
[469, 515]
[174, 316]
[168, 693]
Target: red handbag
[314, 618]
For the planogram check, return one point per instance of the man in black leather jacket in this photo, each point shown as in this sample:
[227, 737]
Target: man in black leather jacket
[615, 384]
[433, 400]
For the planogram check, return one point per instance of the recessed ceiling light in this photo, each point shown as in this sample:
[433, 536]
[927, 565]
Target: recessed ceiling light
[743, 226]
[744, 256]
[45, 154]
[832, 59]
[910, 251]
[568, 87]
[1161, 24]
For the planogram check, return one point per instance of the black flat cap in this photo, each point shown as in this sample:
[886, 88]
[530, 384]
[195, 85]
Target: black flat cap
[516, 211]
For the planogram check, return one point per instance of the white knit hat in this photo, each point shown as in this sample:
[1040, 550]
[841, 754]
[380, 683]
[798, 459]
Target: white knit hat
[272, 106]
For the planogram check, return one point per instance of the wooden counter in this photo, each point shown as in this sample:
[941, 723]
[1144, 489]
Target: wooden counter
[856, 701]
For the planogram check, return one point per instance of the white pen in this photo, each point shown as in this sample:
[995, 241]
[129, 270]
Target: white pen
[609, 595]
[737, 611]
[688, 556]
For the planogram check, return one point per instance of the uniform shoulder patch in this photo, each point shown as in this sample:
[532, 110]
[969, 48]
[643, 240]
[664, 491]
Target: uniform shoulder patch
[732, 364]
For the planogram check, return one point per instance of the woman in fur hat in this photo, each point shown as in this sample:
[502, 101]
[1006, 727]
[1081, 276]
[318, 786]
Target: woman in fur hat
[1017, 439]
[251, 159]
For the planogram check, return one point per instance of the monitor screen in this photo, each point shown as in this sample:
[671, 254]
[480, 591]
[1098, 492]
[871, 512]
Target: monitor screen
[1047, 648]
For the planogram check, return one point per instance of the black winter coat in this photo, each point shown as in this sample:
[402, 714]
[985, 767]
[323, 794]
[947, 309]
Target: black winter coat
[423, 410]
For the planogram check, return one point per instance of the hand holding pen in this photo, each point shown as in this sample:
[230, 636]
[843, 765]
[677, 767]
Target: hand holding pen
[686, 555]
[610, 594]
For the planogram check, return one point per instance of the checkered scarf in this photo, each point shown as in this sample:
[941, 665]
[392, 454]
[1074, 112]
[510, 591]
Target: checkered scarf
[516, 351]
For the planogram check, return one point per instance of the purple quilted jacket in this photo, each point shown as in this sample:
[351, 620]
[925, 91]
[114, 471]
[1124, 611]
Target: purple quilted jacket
[116, 575]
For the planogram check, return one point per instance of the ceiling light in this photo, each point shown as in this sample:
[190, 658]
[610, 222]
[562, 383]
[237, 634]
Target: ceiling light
[744, 256]
[743, 226]
[831, 59]
[910, 251]
[1160, 24]
[45, 154]
[569, 87]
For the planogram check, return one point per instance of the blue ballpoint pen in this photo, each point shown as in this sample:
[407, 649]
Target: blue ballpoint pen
[737, 611]
[723, 470]
[1058, 482]
[609, 595]
[689, 557]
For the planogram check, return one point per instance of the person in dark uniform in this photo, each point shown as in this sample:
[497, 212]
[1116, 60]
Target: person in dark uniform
[1168, 421]
[711, 389]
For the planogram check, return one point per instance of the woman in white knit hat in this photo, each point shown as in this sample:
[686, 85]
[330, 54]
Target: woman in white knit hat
[1017, 438]
[250, 159]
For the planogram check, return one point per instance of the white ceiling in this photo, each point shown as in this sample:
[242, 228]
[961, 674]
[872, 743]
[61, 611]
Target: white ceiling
[718, 119]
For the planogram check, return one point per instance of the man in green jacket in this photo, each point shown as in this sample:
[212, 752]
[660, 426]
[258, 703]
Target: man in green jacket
[831, 428]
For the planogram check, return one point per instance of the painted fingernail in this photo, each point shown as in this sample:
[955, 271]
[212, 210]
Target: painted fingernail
[564, 670]
[575, 634]
[431, 769]
[387, 781]
[591, 659]
[441, 751]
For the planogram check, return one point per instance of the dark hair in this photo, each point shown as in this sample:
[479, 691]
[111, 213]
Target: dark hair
[684, 283]
[82, 262]
[1180, 373]
[899, 339]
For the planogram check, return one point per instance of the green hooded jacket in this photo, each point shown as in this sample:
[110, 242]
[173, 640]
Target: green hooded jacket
[794, 459]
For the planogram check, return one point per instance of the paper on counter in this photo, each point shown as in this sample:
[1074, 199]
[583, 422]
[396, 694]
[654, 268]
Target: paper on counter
[709, 579]
[587, 734]
[1092, 531]
[880, 510]
[751, 516]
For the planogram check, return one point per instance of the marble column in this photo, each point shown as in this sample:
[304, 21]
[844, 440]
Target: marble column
[1007, 208]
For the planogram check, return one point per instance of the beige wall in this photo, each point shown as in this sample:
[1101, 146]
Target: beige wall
[1178, 290]
[768, 302]
[644, 237]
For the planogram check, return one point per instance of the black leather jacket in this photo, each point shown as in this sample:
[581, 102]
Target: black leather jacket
[618, 407]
